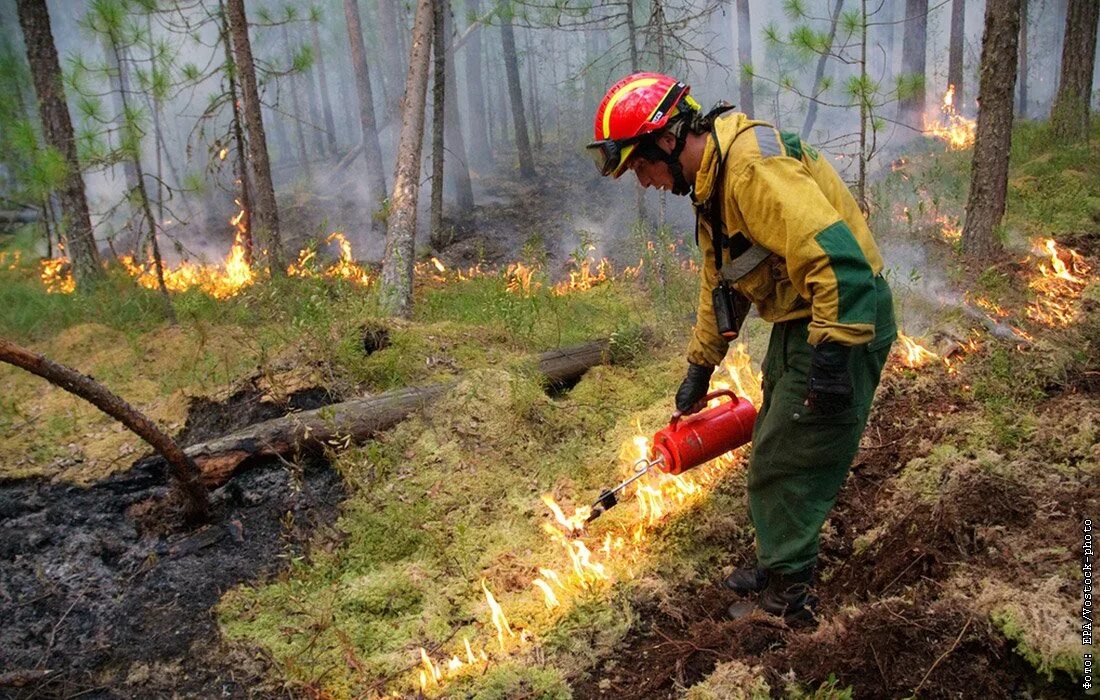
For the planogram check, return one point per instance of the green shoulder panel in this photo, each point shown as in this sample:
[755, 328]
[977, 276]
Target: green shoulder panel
[792, 143]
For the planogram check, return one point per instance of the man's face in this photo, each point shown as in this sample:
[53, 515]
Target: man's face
[652, 173]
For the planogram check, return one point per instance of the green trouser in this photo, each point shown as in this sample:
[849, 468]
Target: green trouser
[800, 459]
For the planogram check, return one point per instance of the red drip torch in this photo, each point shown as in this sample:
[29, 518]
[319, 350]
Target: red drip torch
[690, 441]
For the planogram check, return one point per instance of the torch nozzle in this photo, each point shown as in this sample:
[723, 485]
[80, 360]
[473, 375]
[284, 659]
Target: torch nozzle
[610, 497]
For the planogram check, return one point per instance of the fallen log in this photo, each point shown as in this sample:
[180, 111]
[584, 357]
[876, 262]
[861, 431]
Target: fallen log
[354, 421]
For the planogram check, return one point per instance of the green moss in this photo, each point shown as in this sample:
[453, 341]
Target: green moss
[731, 680]
[514, 680]
[1047, 662]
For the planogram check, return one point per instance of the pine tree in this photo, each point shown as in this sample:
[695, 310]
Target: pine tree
[265, 213]
[372, 151]
[1069, 117]
[57, 129]
[989, 170]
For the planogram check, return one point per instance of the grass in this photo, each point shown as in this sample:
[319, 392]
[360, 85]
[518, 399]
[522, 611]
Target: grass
[451, 497]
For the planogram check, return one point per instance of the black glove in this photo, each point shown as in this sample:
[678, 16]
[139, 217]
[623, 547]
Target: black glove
[693, 388]
[830, 386]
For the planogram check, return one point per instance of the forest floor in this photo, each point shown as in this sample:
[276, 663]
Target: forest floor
[950, 567]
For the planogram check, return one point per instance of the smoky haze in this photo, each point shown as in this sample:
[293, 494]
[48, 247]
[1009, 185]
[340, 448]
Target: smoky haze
[568, 56]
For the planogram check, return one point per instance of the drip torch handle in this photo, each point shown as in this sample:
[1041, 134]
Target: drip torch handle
[677, 415]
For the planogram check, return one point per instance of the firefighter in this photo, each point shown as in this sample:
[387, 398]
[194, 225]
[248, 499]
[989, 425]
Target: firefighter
[778, 230]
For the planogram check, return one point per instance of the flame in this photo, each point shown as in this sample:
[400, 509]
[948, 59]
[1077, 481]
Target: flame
[499, 620]
[15, 257]
[949, 227]
[584, 278]
[1063, 274]
[913, 354]
[950, 126]
[223, 153]
[57, 275]
[520, 279]
[345, 266]
[572, 524]
[430, 672]
[547, 592]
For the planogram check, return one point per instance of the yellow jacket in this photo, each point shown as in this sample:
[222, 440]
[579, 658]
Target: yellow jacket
[782, 195]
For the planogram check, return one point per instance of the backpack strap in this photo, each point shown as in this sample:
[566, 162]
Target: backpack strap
[744, 255]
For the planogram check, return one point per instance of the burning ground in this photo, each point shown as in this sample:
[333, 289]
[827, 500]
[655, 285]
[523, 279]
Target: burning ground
[948, 568]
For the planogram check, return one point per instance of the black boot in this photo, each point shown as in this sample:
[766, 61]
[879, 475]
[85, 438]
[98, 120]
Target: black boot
[747, 579]
[785, 595]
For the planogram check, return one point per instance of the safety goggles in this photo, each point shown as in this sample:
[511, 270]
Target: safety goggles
[611, 156]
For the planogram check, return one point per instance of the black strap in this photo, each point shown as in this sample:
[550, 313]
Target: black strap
[736, 244]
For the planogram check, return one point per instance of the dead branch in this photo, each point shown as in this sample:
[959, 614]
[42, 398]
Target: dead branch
[182, 468]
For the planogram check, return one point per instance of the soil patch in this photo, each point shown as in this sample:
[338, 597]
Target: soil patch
[98, 589]
[897, 648]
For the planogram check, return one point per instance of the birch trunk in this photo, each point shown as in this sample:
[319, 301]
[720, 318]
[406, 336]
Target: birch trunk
[397, 265]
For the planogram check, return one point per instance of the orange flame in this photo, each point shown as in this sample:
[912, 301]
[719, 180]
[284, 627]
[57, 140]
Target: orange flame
[950, 126]
[913, 354]
[1061, 279]
[584, 278]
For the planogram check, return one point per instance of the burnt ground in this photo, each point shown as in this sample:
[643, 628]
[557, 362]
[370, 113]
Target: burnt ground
[885, 627]
[103, 589]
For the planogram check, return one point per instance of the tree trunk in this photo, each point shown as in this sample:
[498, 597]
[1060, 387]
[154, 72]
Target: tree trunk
[1021, 105]
[265, 214]
[533, 90]
[182, 468]
[515, 94]
[397, 266]
[133, 134]
[1069, 117]
[389, 33]
[119, 81]
[819, 74]
[244, 224]
[956, 46]
[57, 129]
[439, 83]
[359, 419]
[989, 170]
[296, 107]
[475, 95]
[372, 151]
[914, 49]
[457, 165]
[632, 51]
[316, 126]
[744, 56]
[322, 78]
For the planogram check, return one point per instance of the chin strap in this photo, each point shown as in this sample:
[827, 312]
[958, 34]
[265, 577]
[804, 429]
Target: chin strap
[690, 120]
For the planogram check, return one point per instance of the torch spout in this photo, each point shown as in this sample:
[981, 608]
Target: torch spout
[610, 498]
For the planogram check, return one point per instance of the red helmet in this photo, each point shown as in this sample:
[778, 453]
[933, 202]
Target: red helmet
[637, 105]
